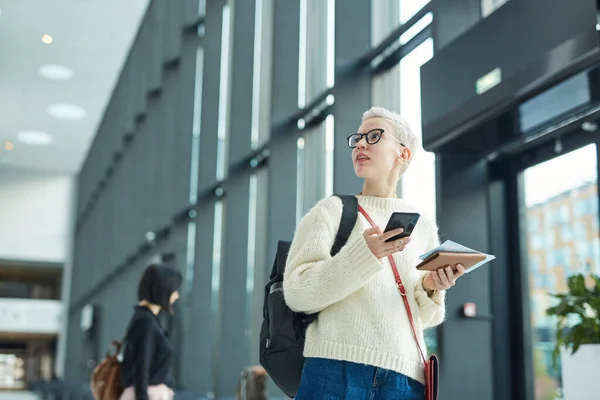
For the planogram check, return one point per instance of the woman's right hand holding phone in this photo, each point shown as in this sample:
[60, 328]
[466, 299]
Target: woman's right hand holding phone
[376, 240]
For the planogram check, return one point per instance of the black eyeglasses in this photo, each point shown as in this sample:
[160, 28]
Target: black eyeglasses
[372, 137]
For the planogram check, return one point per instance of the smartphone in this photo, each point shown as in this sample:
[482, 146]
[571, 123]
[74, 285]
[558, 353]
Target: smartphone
[404, 220]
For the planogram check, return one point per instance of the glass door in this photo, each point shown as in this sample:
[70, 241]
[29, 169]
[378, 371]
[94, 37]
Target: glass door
[559, 230]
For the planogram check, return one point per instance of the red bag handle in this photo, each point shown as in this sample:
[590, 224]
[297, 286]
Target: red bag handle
[401, 289]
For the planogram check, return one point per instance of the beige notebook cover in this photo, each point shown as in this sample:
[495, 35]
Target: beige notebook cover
[442, 259]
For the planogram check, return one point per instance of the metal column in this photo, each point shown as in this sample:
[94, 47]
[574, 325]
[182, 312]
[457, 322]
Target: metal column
[232, 348]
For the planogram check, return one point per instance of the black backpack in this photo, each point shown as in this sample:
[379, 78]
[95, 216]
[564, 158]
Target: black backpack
[283, 331]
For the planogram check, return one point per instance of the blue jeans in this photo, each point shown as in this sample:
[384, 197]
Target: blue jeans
[324, 379]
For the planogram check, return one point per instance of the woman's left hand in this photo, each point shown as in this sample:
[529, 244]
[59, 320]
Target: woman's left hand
[443, 278]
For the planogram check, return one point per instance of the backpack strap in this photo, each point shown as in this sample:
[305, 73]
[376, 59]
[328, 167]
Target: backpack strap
[349, 215]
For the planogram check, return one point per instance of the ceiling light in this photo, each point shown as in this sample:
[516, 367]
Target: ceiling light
[9, 146]
[56, 72]
[589, 126]
[36, 138]
[69, 112]
[47, 39]
[0, 11]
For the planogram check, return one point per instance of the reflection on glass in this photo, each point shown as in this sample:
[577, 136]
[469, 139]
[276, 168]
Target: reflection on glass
[256, 75]
[489, 6]
[408, 8]
[196, 120]
[418, 184]
[223, 94]
[560, 222]
[329, 148]
[300, 179]
[252, 205]
[330, 43]
[216, 259]
[416, 28]
[302, 54]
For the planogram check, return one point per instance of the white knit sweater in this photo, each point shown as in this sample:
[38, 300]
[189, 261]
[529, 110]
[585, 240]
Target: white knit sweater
[362, 317]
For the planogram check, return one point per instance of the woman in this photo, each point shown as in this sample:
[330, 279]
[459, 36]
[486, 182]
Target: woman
[145, 369]
[362, 346]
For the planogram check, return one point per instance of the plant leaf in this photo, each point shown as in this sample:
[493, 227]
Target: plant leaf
[576, 285]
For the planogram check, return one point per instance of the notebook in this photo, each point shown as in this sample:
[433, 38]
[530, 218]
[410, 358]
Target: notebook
[452, 253]
[442, 258]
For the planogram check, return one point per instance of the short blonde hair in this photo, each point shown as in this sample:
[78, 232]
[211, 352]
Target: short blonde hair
[402, 129]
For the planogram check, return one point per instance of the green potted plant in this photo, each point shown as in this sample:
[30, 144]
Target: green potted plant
[578, 336]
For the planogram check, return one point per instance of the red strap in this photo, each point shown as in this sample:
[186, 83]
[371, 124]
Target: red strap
[400, 287]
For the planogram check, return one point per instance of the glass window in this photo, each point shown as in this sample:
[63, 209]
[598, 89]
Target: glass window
[564, 214]
[594, 266]
[566, 248]
[566, 233]
[415, 29]
[567, 255]
[536, 241]
[540, 281]
[316, 47]
[533, 224]
[579, 230]
[489, 6]
[408, 8]
[593, 203]
[584, 253]
[224, 94]
[418, 184]
[550, 236]
[580, 207]
[534, 263]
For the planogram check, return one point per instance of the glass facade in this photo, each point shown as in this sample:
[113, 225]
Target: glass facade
[559, 216]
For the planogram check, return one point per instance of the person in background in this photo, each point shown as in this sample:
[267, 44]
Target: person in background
[253, 384]
[362, 346]
[147, 354]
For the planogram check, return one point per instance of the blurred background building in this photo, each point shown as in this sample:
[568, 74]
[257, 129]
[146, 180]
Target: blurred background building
[208, 128]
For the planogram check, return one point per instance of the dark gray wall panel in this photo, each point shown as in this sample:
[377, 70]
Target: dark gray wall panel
[172, 41]
[453, 18]
[462, 197]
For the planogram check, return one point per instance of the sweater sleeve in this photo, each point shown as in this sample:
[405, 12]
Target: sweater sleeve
[314, 280]
[432, 308]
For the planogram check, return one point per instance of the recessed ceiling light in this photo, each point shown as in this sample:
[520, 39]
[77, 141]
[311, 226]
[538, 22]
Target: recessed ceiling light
[56, 72]
[589, 126]
[0, 11]
[47, 39]
[9, 146]
[37, 138]
[69, 112]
